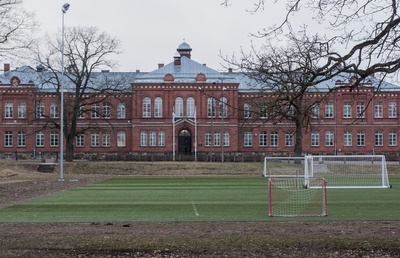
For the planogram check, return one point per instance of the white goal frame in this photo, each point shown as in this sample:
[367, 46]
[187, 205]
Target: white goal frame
[288, 197]
[341, 171]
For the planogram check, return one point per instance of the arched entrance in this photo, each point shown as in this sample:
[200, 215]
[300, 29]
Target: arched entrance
[185, 142]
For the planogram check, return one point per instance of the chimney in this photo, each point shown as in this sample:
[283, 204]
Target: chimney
[160, 65]
[105, 71]
[230, 70]
[6, 67]
[177, 59]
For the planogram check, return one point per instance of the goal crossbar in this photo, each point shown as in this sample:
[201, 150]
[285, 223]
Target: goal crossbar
[343, 171]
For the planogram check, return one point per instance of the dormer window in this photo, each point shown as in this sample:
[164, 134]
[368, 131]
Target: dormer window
[15, 81]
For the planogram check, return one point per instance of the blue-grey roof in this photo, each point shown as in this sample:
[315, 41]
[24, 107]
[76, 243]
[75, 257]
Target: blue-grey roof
[187, 71]
[46, 81]
[184, 46]
[247, 84]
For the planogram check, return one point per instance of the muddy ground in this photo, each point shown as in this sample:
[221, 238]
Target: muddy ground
[230, 239]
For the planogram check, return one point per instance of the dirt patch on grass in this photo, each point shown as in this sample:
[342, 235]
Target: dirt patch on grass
[20, 182]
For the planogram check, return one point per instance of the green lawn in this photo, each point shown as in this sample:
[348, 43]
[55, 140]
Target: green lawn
[197, 198]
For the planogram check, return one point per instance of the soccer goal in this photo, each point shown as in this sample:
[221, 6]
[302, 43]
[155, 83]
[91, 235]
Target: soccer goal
[289, 197]
[346, 171]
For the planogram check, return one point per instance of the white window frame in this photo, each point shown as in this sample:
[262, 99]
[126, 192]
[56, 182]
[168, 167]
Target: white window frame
[329, 110]
[106, 141]
[378, 110]
[121, 110]
[53, 110]
[158, 107]
[315, 111]
[392, 109]
[54, 139]
[21, 139]
[21, 109]
[392, 137]
[248, 139]
[80, 140]
[223, 111]
[40, 110]
[378, 138]
[121, 139]
[95, 139]
[263, 139]
[152, 138]
[274, 139]
[226, 138]
[161, 138]
[211, 106]
[360, 109]
[360, 138]
[95, 110]
[217, 139]
[106, 110]
[143, 138]
[247, 109]
[289, 139]
[179, 107]
[8, 139]
[190, 106]
[329, 138]
[8, 110]
[39, 139]
[347, 138]
[146, 107]
[315, 139]
[207, 139]
[347, 110]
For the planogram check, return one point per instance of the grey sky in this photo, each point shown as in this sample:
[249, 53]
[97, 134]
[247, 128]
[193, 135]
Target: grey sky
[151, 30]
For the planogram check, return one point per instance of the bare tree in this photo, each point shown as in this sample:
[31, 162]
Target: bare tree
[87, 52]
[16, 28]
[359, 38]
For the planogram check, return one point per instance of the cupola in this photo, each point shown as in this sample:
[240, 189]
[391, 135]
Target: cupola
[184, 49]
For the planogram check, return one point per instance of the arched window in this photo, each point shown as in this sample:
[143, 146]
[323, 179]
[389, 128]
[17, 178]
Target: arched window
[146, 107]
[223, 112]
[158, 107]
[178, 107]
[211, 107]
[190, 106]
[121, 112]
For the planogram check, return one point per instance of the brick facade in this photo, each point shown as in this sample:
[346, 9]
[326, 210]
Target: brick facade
[141, 119]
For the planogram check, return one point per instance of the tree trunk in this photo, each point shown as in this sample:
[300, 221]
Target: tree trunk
[69, 152]
[298, 147]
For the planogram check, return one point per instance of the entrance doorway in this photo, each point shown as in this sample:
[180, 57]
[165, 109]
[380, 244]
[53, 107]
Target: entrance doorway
[185, 142]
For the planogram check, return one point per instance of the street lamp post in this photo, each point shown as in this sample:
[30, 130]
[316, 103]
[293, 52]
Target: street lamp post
[64, 9]
[222, 124]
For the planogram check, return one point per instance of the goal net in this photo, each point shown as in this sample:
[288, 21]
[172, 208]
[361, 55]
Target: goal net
[358, 171]
[291, 197]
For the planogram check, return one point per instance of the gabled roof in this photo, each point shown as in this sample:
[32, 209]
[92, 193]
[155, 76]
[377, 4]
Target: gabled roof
[187, 71]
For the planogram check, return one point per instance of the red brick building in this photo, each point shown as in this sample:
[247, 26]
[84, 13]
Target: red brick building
[187, 108]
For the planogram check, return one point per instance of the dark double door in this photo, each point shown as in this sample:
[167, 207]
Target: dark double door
[185, 142]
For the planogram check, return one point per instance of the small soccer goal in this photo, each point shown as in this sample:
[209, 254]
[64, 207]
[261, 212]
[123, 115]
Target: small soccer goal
[346, 171]
[293, 197]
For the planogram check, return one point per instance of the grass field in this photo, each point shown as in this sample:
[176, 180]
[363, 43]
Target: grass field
[192, 198]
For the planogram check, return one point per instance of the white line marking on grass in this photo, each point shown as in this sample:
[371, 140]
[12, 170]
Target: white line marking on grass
[195, 209]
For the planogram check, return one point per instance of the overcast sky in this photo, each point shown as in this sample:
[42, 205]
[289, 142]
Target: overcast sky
[151, 30]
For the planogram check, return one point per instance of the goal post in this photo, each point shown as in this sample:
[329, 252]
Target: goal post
[284, 167]
[350, 171]
[344, 171]
[290, 197]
